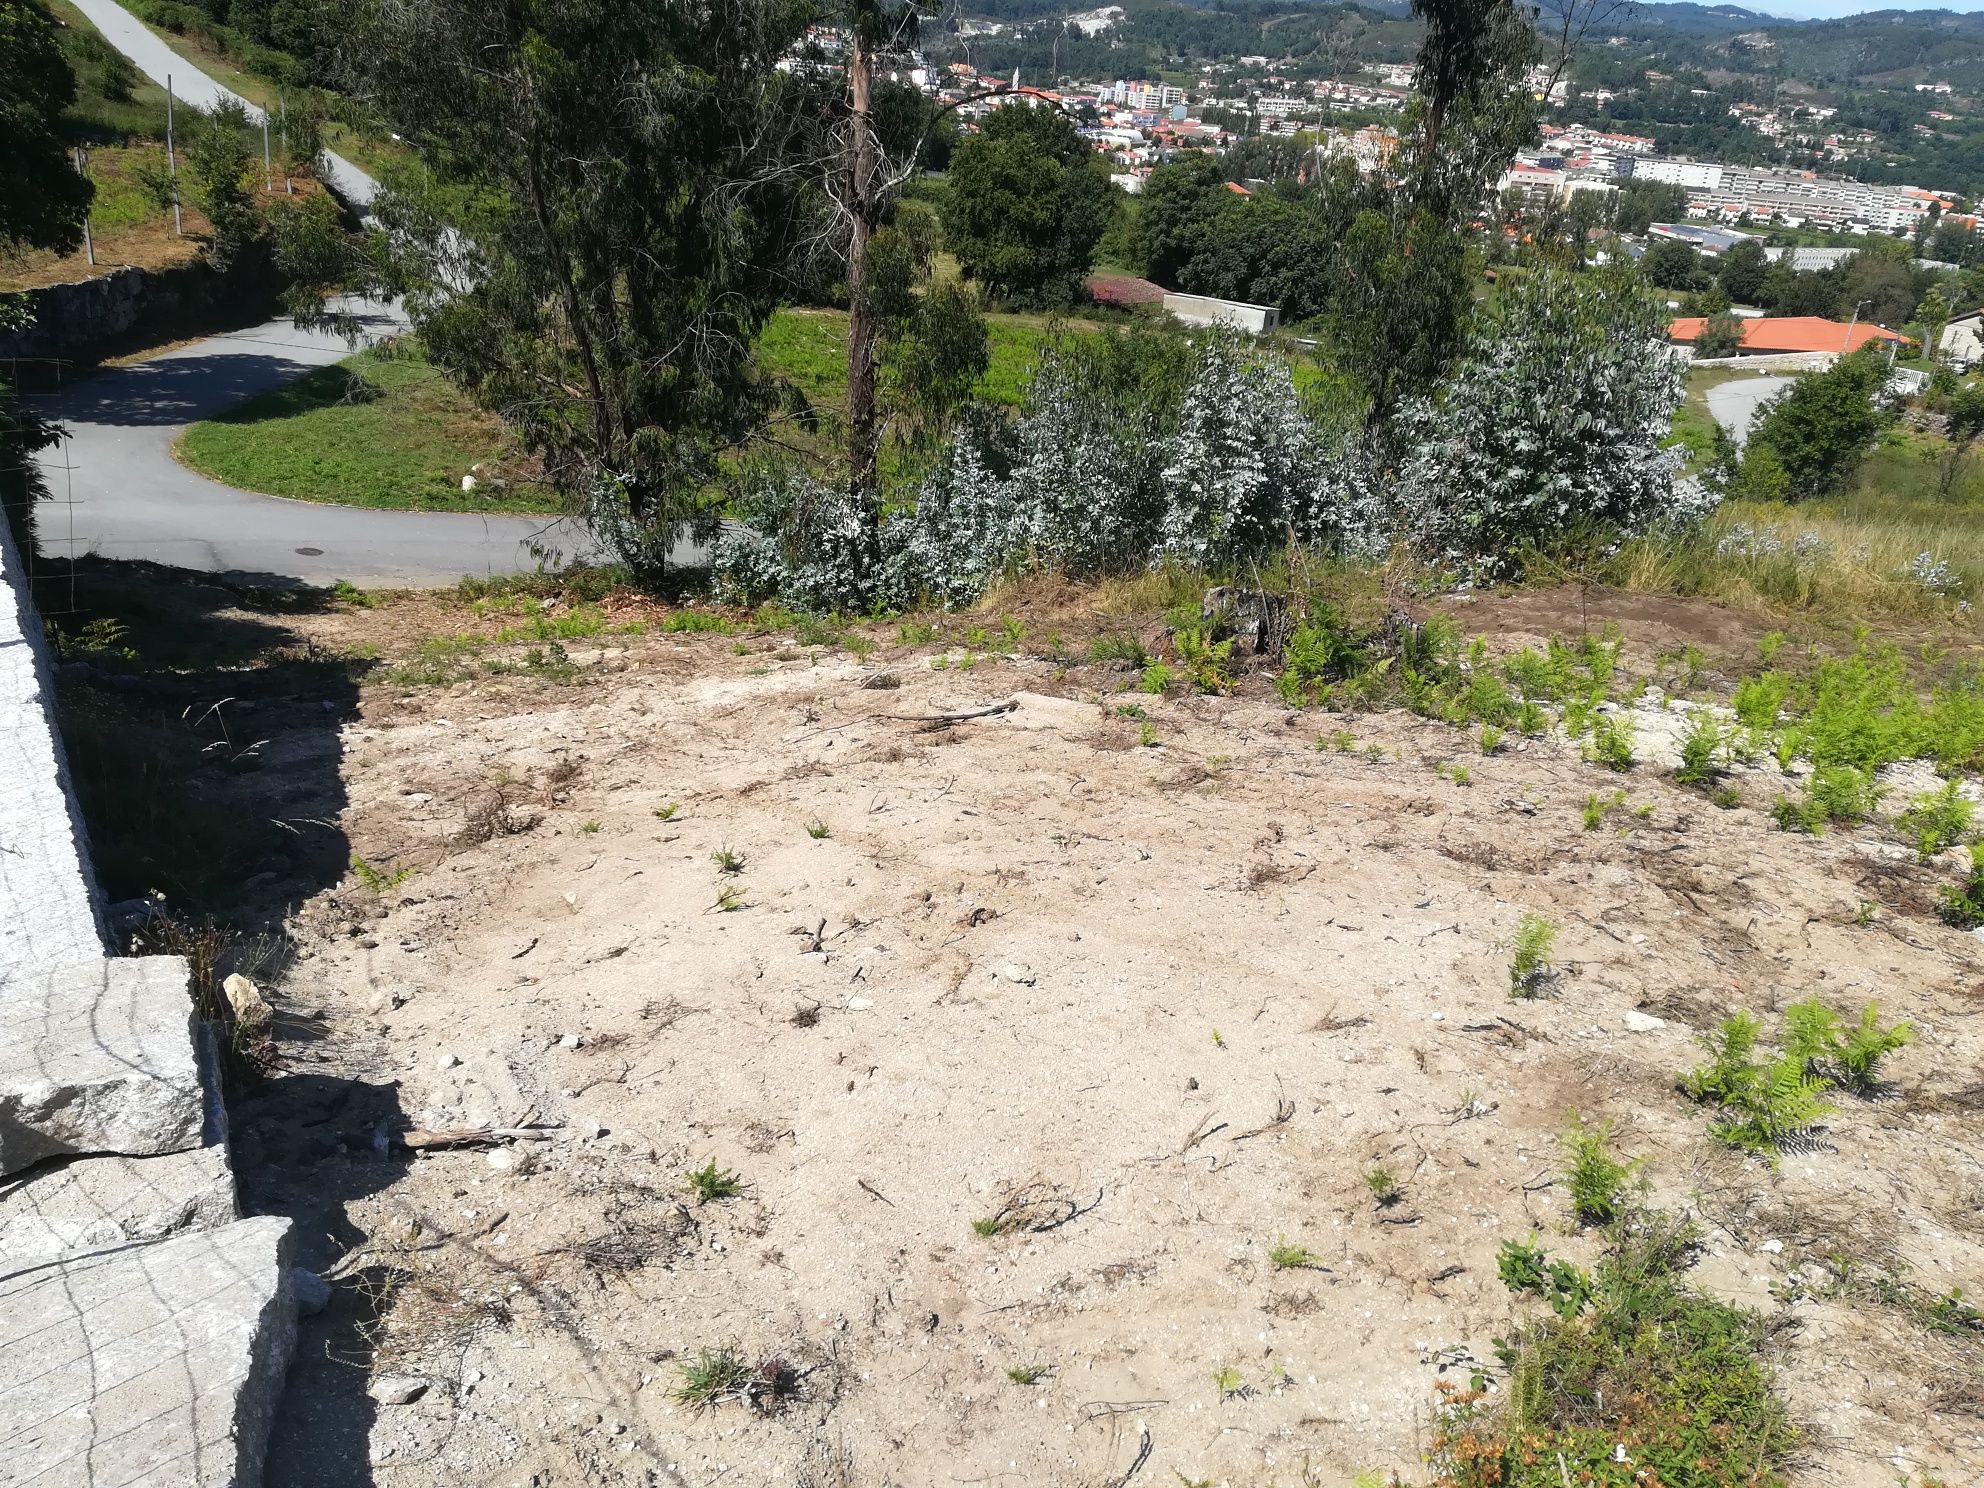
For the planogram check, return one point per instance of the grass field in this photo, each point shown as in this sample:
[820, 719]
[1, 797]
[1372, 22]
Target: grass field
[405, 441]
[809, 349]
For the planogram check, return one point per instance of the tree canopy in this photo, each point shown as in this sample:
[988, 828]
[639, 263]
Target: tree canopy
[1025, 207]
[43, 199]
[602, 226]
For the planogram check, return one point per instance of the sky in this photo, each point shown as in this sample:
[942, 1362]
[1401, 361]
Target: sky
[1806, 10]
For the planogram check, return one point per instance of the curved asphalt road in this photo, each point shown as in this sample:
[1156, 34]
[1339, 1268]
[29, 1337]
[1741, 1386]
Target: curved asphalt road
[118, 492]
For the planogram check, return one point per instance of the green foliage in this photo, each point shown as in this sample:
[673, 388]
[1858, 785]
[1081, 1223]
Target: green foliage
[625, 257]
[711, 1184]
[1962, 904]
[1118, 646]
[1637, 1379]
[1760, 1104]
[1529, 959]
[1024, 209]
[1026, 1374]
[1816, 432]
[1154, 678]
[727, 860]
[1938, 820]
[1596, 1179]
[45, 200]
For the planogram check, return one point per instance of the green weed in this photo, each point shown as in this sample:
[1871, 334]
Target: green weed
[711, 1377]
[667, 812]
[1529, 960]
[1026, 1374]
[727, 860]
[711, 1184]
[1611, 741]
[1938, 820]
[1384, 1185]
[819, 831]
[1155, 678]
[1285, 1256]
[1701, 750]
[1842, 1055]
[378, 880]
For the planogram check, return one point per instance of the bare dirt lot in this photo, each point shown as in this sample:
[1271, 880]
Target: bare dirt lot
[1142, 997]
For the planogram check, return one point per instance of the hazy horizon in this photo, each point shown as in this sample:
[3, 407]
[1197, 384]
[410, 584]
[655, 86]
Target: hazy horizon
[1832, 10]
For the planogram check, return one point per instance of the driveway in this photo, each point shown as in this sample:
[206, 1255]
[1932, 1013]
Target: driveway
[1735, 404]
[117, 491]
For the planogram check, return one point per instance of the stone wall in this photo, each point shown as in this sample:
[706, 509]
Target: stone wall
[162, 1321]
[86, 313]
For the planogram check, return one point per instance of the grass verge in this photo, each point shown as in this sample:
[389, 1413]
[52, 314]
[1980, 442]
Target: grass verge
[380, 429]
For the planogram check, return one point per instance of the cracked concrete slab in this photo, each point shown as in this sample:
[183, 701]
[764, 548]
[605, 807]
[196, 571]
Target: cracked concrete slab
[156, 1364]
[88, 1202]
[98, 1057]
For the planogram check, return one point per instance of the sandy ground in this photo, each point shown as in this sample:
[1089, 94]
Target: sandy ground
[1162, 1005]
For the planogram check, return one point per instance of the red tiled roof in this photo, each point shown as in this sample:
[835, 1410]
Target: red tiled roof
[1790, 333]
[1124, 289]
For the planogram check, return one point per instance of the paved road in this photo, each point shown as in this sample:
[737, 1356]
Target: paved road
[158, 61]
[1735, 404]
[119, 493]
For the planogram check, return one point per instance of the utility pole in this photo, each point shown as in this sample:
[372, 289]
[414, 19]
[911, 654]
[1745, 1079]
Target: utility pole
[282, 105]
[172, 161]
[268, 168]
[1846, 341]
[83, 170]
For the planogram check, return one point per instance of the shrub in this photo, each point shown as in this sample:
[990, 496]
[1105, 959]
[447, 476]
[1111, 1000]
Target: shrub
[1816, 431]
[1636, 1380]
[1555, 426]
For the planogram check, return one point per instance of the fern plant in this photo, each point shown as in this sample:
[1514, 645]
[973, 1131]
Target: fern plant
[1778, 1101]
[1597, 1180]
[1857, 1051]
[1760, 1104]
[1962, 904]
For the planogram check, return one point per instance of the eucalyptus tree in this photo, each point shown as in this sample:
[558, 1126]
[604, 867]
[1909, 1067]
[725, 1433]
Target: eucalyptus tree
[599, 220]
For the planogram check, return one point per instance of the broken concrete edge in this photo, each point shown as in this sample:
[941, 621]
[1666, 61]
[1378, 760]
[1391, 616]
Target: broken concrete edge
[100, 1057]
[86, 1203]
[50, 909]
[159, 1363]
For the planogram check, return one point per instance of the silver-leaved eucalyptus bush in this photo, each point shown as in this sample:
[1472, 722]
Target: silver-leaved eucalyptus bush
[1553, 429]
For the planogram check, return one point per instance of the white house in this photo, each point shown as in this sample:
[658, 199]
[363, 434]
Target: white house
[1962, 342]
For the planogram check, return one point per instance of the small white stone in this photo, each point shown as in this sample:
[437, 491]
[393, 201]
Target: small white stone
[571, 1041]
[860, 1004]
[447, 1060]
[1639, 1022]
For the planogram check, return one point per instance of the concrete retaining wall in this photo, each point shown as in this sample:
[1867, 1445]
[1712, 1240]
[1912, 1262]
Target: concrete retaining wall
[145, 1327]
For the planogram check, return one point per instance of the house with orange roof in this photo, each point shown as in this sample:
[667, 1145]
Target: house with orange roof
[1783, 335]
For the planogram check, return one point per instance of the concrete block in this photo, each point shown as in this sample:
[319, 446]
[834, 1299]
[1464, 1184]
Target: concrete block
[48, 909]
[157, 1364]
[88, 1202]
[97, 1057]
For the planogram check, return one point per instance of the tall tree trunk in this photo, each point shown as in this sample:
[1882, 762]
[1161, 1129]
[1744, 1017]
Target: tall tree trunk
[863, 476]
